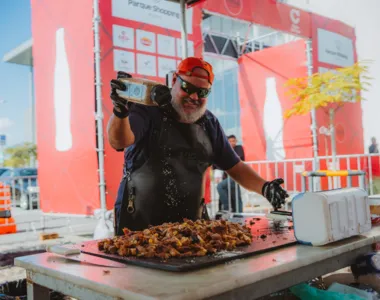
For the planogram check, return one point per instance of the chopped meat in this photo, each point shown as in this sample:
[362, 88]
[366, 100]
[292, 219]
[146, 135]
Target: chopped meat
[187, 239]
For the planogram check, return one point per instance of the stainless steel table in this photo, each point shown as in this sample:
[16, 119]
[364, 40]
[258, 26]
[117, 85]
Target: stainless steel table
[240, 279]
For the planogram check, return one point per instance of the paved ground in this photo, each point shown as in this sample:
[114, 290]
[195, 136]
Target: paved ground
[30, 224]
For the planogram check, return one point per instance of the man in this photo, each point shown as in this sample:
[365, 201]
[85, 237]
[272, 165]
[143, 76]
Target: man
[228, 186]
[374, 147]
[375, 164]
[237, 148]
[168, 149]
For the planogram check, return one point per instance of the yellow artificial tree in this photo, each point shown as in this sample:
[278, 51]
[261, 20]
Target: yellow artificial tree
[330, 90]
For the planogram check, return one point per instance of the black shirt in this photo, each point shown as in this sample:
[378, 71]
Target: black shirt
[145, 119]
[373, 149]
[239, 150]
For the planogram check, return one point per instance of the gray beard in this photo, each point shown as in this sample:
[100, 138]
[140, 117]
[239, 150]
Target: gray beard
[185, 117]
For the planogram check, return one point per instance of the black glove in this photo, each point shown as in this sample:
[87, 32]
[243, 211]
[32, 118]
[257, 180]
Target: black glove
[120, 105]
[162, 96]
[275, 194]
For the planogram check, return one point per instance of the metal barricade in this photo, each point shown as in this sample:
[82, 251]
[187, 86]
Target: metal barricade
[308, 177]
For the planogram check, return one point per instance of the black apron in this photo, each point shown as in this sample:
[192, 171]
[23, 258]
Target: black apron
[168, 186]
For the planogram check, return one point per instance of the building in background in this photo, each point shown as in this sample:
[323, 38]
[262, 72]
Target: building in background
[22, 55]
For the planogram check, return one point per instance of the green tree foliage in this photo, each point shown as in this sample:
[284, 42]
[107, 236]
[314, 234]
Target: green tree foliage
[20, 155]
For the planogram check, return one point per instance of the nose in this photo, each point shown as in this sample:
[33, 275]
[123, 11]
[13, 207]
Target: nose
[194, 96]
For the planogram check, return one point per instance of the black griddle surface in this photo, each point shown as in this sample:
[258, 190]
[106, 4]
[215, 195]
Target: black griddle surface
[267, 235]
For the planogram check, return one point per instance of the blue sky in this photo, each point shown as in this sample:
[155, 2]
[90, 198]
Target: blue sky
[15, 28]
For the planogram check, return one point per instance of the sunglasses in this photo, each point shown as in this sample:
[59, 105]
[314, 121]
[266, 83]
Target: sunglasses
[190, 89]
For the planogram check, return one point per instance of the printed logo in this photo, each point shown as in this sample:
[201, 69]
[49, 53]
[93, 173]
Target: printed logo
[234, 7]
[145, 41]
[123, 36]
[124, 62]
[295, 17]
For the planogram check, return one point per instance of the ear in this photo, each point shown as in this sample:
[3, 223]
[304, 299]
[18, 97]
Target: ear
[174, 79]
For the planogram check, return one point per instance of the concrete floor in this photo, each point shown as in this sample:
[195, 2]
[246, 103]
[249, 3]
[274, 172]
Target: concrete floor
[30, 224]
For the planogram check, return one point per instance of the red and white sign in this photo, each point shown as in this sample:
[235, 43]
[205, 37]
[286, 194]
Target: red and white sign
[124, 61]
[233, 7]
[63, 57]
[333, 45]
[165, 65]
[146, 65]
[146, 41]
[161, 13]
[335, 49]
[166, 45]
[281, 62]
[144, 44]
[268, 13]
[123, 37]
[262, 75]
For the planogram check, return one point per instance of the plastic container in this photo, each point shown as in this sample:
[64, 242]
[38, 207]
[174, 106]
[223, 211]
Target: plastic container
[320, 218]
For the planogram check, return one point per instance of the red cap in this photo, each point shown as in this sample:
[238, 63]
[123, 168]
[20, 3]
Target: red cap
[187, 66]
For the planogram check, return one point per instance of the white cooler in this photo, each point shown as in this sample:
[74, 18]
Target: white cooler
[324, 217]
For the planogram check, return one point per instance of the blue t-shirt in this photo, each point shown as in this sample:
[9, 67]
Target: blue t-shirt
[146, 120]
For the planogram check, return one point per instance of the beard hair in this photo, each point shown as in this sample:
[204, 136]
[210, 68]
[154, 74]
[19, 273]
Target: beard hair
[185, 117]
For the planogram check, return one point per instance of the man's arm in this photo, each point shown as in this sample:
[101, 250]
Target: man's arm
[246, 177]
[250, 180]
[120, 134]
[227, 159]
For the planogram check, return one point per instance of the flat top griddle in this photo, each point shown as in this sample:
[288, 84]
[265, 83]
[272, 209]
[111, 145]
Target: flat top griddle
[267, 235]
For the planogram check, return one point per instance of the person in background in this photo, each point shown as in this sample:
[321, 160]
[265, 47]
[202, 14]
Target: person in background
[375, 165]
[234, 188]
[374, 146]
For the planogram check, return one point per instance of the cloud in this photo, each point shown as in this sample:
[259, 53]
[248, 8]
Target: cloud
[5, 123]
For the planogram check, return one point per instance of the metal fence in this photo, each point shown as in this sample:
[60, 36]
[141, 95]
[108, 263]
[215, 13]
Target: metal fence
[291, 171]
[24, 191]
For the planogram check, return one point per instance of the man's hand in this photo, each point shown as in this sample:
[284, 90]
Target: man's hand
[275, 194]
[120, 105]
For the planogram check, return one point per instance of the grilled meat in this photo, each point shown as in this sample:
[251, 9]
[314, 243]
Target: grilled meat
[187, 239]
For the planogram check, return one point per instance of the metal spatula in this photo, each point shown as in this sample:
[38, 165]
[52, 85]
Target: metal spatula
[72, 253]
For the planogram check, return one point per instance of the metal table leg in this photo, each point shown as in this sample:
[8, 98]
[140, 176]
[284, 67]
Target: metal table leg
[37, 292]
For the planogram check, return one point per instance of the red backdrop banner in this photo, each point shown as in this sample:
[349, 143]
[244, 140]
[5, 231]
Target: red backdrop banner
[261, 75]
[333, 47]
[270, 13]
[141, 38]
[65, 105]
[281, 62]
